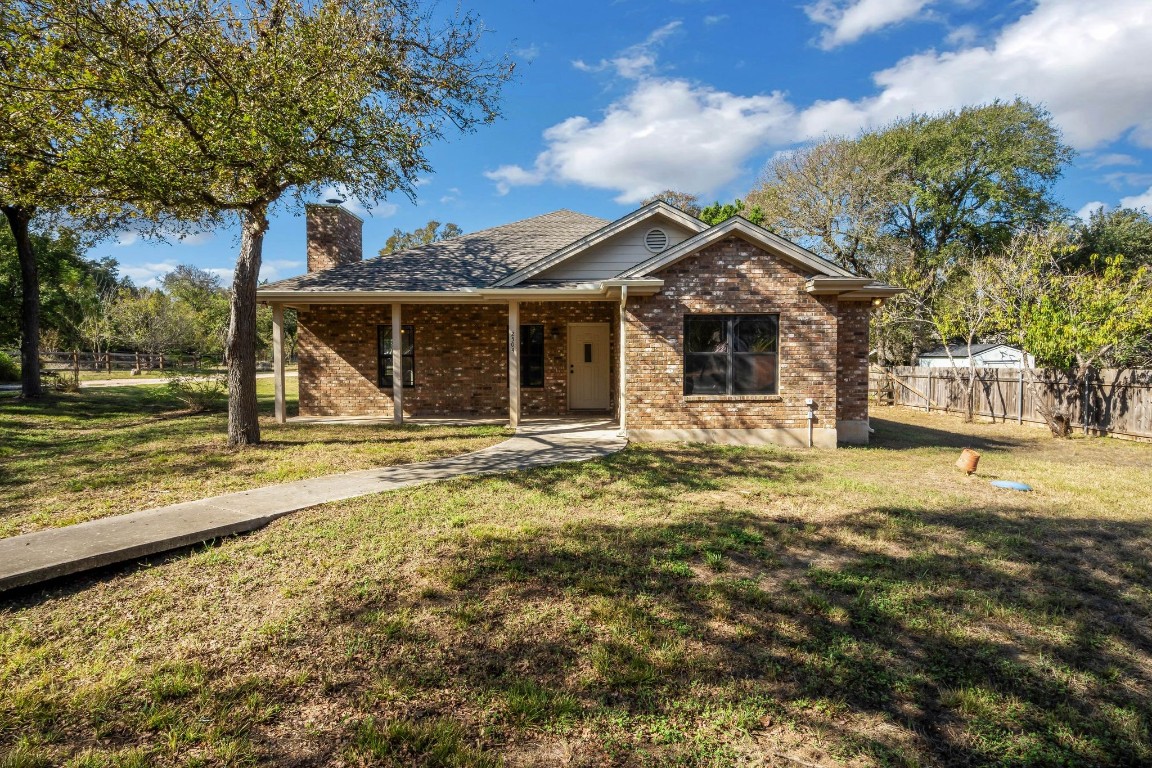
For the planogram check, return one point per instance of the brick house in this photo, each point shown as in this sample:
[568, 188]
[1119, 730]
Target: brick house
[677, 330]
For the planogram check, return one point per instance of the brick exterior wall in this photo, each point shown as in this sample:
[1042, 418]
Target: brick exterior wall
[732, 276]
[335, 236]
[461, 351]
[852, 361]
[461, 358]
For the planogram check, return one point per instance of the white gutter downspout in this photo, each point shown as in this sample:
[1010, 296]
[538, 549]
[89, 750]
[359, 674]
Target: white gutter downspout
[623, 407]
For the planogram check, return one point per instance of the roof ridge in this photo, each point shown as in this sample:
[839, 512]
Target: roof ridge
[481, 232]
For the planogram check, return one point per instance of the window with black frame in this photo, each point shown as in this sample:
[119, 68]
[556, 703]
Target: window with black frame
[731, 354]
[384, 355]
[532, 355]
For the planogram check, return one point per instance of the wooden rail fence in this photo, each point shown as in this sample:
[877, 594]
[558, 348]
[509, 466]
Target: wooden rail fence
[127, 361]
[1113, 402]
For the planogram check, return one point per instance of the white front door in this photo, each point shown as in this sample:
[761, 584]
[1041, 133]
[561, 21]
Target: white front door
[588, 367]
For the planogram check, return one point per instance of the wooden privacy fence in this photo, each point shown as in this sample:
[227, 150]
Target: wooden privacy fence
[1113, 402]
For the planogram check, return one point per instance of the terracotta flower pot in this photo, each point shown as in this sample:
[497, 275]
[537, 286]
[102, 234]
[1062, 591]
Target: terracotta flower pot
[968, 460]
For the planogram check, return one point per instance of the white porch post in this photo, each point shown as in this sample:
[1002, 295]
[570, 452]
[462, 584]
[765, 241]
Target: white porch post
[513, 364]
[397, 366]
[623, 344]
[278, 361]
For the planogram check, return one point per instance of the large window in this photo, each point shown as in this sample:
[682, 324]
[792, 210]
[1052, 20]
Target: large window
[731, 354]
[384, 355]
[532, 355]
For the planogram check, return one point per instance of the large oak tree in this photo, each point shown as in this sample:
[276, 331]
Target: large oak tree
[224, 109]
[908, 202]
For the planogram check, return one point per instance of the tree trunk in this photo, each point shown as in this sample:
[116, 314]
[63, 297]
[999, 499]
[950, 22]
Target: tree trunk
[243, 412]
[18, 219]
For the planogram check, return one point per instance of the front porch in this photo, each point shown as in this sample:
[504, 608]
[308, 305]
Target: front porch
[458, 362]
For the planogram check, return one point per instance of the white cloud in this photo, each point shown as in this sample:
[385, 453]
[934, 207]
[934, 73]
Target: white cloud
[710, 20]
[192, 238]
[1143, 200]
[1112, 158]
[359, 207]
[148, 274]
[528, 52]
[636, 61]
[1076, 58]
[508, 176]
[664, 134]
[848, 22]
[124, 239]
[1088, 209]
[962, 36]
[1127, 179]
[270, 269]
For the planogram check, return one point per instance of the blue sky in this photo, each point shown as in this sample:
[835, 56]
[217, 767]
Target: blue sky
[615, 100]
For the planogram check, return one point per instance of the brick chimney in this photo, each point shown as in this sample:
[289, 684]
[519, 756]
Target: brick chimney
[335, 236]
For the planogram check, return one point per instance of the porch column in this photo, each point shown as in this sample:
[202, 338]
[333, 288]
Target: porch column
[278, 361]
[513, 364]
[622, 343]
[397, 366]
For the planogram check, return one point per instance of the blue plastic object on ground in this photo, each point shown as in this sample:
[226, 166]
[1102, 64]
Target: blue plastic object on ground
[1011, 485]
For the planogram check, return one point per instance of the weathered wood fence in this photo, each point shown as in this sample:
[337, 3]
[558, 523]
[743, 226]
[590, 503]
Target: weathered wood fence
[121, 361]
[127, 361]
[1113, 402]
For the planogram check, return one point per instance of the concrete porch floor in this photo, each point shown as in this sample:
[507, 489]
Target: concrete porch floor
[589, 426]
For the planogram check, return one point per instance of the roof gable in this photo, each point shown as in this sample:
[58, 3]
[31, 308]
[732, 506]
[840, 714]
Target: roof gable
[657, 210]
[738, 226]
[961, 350]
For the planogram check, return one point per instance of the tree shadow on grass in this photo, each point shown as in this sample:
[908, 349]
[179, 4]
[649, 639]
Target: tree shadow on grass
[960, 636]
[898, 435]
[974, 663]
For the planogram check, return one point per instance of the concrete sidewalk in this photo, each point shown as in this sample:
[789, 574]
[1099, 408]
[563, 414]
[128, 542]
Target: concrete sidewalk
[36, 557]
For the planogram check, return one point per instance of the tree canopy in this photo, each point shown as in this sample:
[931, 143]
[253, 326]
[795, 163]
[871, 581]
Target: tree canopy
[685, 201]
[908, 202]
[432, 232]
[220, 109]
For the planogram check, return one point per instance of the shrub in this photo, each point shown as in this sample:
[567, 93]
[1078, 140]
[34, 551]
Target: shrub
[9, 370]
[199, 393]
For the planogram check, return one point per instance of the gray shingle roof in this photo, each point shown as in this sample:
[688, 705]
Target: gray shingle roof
[470, 261]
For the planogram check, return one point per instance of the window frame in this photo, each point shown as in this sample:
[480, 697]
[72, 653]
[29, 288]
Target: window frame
[384, 360]
[730, 353]
[542, 356]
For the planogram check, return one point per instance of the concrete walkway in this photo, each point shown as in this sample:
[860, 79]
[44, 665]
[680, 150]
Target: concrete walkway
[36, 557]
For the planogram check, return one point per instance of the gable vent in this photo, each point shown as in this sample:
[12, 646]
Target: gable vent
[656, 240]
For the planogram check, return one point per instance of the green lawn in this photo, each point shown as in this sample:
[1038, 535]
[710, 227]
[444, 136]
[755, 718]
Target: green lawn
[668, 605]
[75, 457]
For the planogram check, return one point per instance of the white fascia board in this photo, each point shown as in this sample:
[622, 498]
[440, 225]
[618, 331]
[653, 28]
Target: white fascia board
[739, 225]
[368, 297]
[587, 291]
[875, 291]
[820, 285]
[595, 238]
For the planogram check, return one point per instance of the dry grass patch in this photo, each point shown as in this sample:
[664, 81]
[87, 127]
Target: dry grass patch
[668, 605]
[76, 457]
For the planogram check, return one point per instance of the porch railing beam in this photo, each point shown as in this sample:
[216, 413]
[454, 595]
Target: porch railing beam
[514, 364]
[397, 366]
